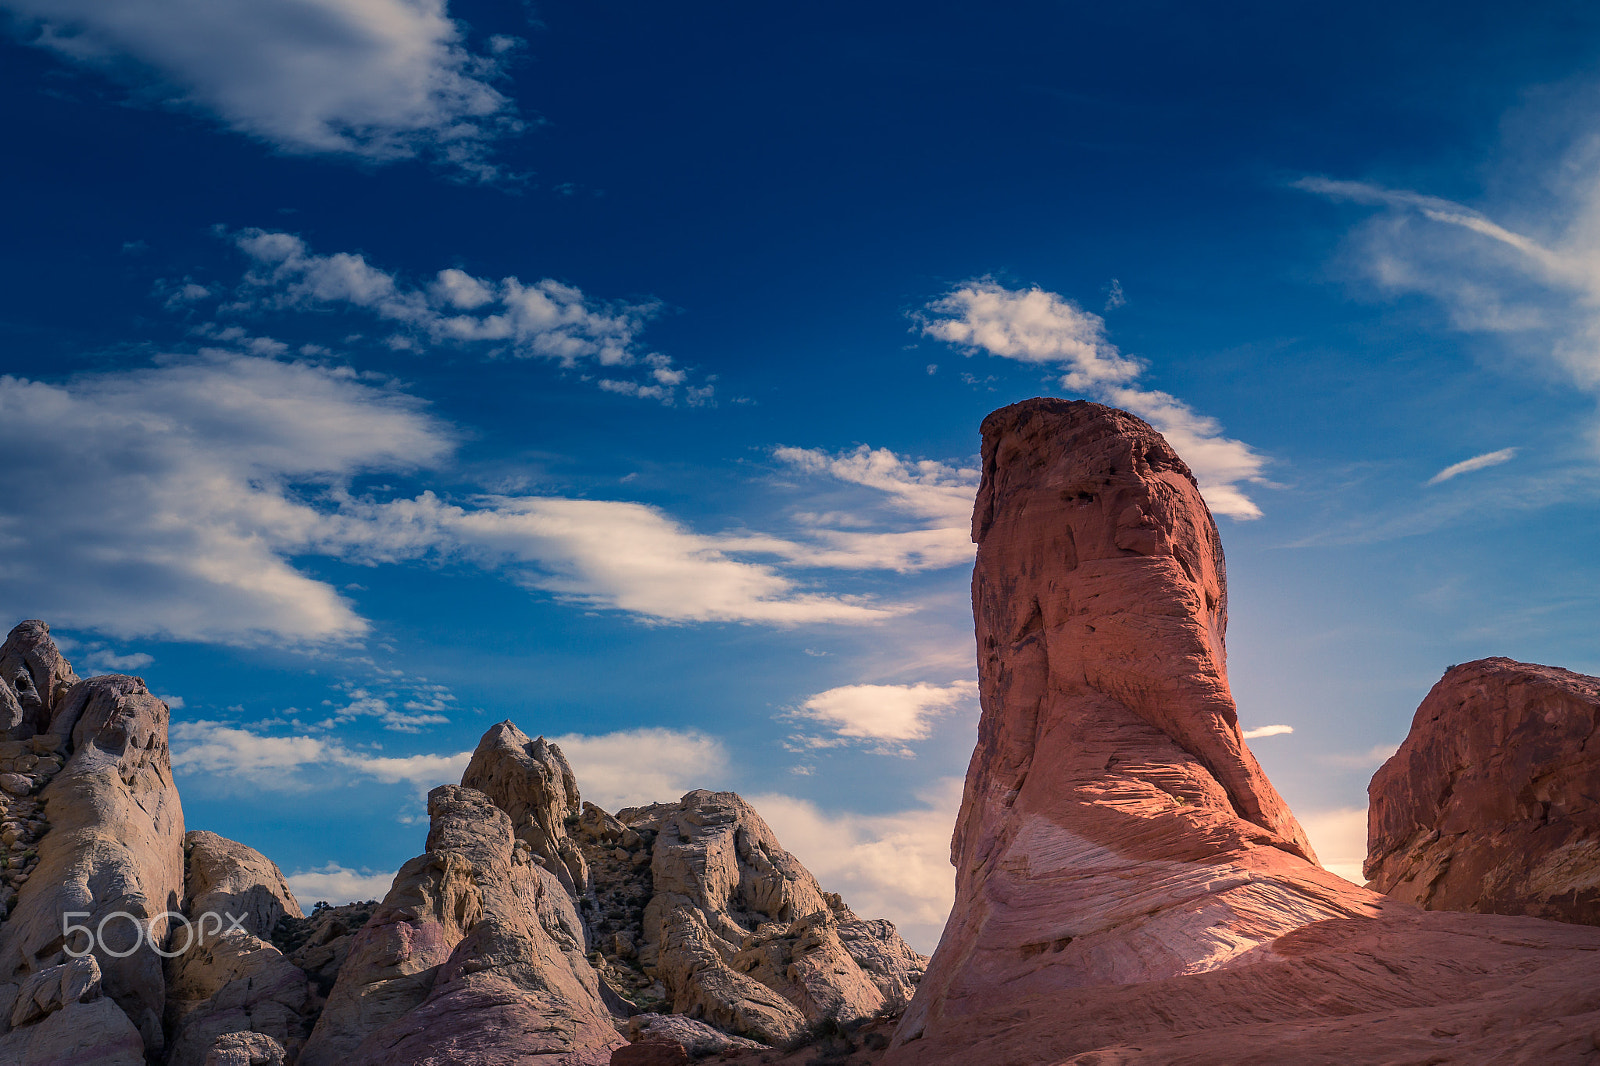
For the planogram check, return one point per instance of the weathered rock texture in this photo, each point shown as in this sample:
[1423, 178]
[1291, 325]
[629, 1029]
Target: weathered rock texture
[33, 679]
[227, 978]
[1492, 804]
[700, 911]
[1129, 885]
[476, 956]
[531, 781]
[109, 840]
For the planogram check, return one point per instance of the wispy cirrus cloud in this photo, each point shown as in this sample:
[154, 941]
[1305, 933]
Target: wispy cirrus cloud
[1477, 462]
[1046, 329]
[1538, 284]
[244, 759]
[1268, 731]
[335, 884]
[373, 80]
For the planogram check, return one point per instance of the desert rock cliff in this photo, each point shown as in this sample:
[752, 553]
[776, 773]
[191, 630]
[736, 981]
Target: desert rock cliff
[1130, 887]
[1492, 804]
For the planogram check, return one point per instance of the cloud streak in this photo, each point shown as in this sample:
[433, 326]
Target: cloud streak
[373, 80]
[1477, 462]
[1046, 329]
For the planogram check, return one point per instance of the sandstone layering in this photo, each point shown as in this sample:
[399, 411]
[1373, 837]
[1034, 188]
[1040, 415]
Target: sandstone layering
[1129, 885]
[1492, 803]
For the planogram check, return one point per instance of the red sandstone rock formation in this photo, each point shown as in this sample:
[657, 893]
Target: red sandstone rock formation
[1129, 885]
[1492, 804]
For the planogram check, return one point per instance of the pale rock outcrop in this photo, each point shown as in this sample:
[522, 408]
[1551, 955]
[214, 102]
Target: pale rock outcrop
[699, 910]
[531, 781]
[33, 678]
[111, 845]
[53, 987]
[229, 979]
[229, 879]
[696, 1038]
[95, 1033]
[1492, 804]
[1129, 886]
[59, 1016]
[245, 1049]
[476, 956]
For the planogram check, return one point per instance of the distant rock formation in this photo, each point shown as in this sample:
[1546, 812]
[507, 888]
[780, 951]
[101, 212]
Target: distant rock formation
[700, 911]
[488, 948]
[694, 907]
[1492, 804]
[476, 957]
[531, 781]
[1130, 888]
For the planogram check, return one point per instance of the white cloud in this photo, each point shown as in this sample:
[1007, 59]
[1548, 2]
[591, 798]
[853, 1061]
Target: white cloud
[180, 492]
[103, 661]
[894, 865]
[336, 884]
[1339, 838]
[545, 319]
[892, 714]
[1034, 326]
[1268, 731]
[378, 80]
[638, 766]
[923, 489]
[1477, 462]
[604, 553]
[245, 760]
[170, 512]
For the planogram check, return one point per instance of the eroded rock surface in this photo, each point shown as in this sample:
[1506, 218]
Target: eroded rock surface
[700, 911]
[1492, 804]
[476, 956]
[34, 676]
[531, 781]
[110, 842]
[228, 978]
[1130, 887]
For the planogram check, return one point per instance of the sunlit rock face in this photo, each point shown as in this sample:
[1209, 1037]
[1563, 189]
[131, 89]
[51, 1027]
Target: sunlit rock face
[1129, 883]
[1492, 804]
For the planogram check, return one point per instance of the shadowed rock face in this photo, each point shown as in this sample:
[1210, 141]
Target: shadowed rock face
[1129, 886]
[33, 679]
[1492, 804]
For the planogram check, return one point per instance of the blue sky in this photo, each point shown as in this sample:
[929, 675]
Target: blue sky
[380, 370]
